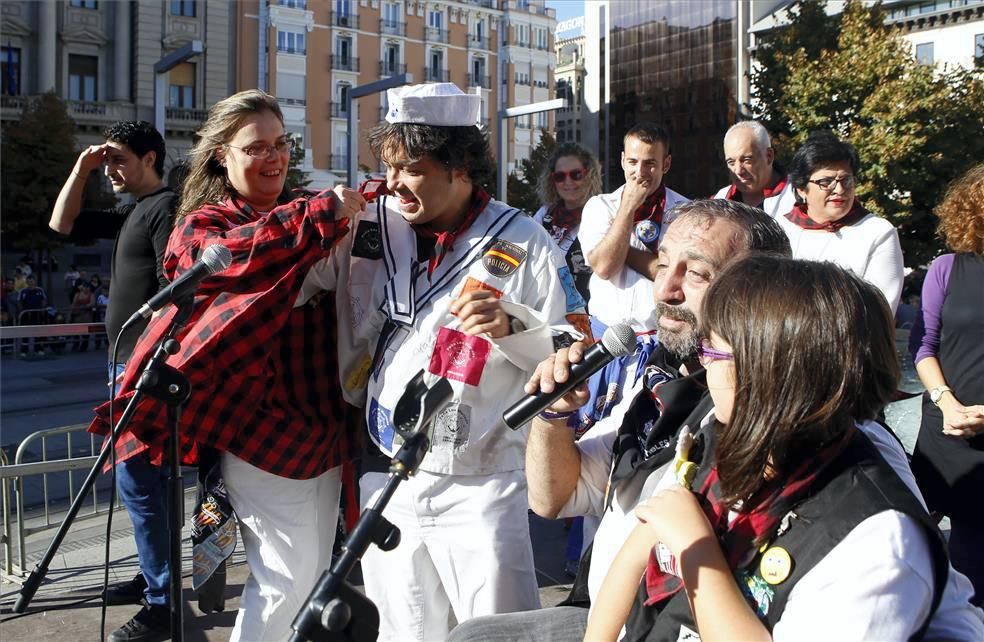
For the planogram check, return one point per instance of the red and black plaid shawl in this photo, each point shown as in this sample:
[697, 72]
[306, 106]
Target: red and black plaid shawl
[444, 241]
[263, 373]
[652, 208]
[774, 189]
[799, 216]
[563, 218]
[755, 524]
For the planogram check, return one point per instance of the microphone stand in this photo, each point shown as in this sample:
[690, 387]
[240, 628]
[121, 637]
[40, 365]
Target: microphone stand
[167, 384]
[334, 610]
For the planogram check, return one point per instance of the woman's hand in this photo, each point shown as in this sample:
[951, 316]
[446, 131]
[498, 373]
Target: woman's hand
[960, 420]
[676, 518]
[348, 202]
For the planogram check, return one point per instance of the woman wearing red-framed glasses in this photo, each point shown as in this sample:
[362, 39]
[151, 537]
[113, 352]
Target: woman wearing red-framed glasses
[569, 179]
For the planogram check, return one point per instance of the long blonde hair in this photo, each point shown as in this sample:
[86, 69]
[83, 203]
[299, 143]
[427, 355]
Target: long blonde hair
[546, 188]
[206, 181]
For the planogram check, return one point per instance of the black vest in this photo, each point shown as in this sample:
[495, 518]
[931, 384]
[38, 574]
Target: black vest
[857, 485]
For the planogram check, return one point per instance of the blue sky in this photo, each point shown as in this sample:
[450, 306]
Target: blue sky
[567, 9]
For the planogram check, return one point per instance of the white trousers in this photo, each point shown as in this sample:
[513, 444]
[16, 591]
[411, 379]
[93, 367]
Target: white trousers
[288, 528]
[464, 548]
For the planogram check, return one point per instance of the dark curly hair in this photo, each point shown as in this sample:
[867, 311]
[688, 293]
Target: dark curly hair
[466, 148]
[141, 137]
[821, 149]
[961, 213]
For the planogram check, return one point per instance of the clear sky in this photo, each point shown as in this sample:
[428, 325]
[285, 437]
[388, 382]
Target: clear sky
[567, 9]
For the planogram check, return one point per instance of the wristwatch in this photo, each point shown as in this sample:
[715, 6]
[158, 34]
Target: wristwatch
[936, 394]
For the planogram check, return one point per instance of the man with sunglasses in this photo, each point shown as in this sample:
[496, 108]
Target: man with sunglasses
[133, 159]
[756, 177]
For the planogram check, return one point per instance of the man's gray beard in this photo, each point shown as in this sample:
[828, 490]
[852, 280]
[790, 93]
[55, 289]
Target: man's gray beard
[681, 344]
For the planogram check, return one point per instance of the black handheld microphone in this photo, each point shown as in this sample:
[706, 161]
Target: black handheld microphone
[214, 259]
[618, 340]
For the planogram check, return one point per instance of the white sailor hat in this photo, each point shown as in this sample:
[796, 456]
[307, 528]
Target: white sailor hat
[440, 103]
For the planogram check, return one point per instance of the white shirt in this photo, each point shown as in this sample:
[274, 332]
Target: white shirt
[882, 570]
[627, 297]
[870, 249]
[775, 206]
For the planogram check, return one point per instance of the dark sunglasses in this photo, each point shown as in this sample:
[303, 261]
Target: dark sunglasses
[575, 175]
[706, 355]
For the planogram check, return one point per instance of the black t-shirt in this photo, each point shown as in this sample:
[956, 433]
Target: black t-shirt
[141, 231]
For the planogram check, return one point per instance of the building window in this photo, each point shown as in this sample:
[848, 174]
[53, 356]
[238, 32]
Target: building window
[391, 60]
[83, 4]
[181, 86]
[435, 19]
[293, 4]
[541, 39]
[979, 49]
[435, 69]
[343, 47]
[184, 8]
[82, 75]
[391, 14]
[291, 88]
[523, 35]
[10, 71]
[343, 97]
[924, 53]
[343, 7]
[290, 42]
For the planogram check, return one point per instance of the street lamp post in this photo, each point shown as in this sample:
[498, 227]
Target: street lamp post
[353, 122]
[164, 65]
[504, 116]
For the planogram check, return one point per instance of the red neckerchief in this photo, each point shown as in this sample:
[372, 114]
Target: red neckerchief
[755, 524]
[734, 195]
[564, 218]
[798, 216]
[444, 241]
[652, 207]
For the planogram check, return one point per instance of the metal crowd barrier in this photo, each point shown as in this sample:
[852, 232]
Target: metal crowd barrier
[29, 339]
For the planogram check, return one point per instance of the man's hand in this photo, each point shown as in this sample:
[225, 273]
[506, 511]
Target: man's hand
[91, 158]
[637, 189]
[556, 369]
[348, 202]
[481, 313]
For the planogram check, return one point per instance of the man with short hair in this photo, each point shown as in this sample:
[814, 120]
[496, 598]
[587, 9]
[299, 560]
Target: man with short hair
[133, 155]
[756, 178]
[444, 281]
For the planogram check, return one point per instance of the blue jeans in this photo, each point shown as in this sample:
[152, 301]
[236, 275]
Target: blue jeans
[143, 490]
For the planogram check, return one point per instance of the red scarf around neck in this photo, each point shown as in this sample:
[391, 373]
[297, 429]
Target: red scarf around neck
[755, 524]
[773, 190]
[652, 207]
[444, 241]
[800, 218]
[564, 218]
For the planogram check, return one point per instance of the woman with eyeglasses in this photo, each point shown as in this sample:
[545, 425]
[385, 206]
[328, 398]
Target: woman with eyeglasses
[789, 514]
[570, 177]
[265, 390]
[829, 223]
[947, 343]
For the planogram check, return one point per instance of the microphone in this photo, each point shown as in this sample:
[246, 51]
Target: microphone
[618, 340]
[214, 259]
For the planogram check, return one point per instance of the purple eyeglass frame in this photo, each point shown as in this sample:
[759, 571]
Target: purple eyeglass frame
[710, 354]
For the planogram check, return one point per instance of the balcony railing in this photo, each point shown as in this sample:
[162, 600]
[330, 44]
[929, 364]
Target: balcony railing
[522, 81]
[85, 107]
[478, 42]
[345, 20]
[337, 110]
[294, 4]
[436, 75]
[541, 47]
[387, 69]
[432, 34]
[338, 161]
[392, 28]
[186, 114]
[480, 81]
[344, 63]
[292, 50]
[522, 125]
[292, 101]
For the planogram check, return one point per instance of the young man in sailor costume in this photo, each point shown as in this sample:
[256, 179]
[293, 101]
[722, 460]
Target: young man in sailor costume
[444, 280]
[756, 179]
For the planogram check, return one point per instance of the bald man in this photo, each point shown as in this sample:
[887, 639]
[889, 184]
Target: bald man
[756, 179]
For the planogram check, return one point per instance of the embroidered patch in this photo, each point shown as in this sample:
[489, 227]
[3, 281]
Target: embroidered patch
[452, 425]
[380, 425]
[582, 323]
[574, 299]
[757, 591]
[459, 356]
[502, 258]
[368, 244]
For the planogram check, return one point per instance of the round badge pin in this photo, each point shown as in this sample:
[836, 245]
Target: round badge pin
[647, 232]
[776, 565]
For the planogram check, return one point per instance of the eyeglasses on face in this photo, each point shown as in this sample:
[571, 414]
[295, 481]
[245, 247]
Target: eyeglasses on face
[827, 184]
[706, 355]
[575, 175]
[265, 150]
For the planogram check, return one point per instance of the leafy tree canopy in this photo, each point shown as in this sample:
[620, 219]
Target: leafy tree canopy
[521, 185]
[297, 178]
[916, 127]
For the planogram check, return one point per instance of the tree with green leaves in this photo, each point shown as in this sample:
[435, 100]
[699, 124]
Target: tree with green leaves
[521, 185]
[297, 178]
[916, 127]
